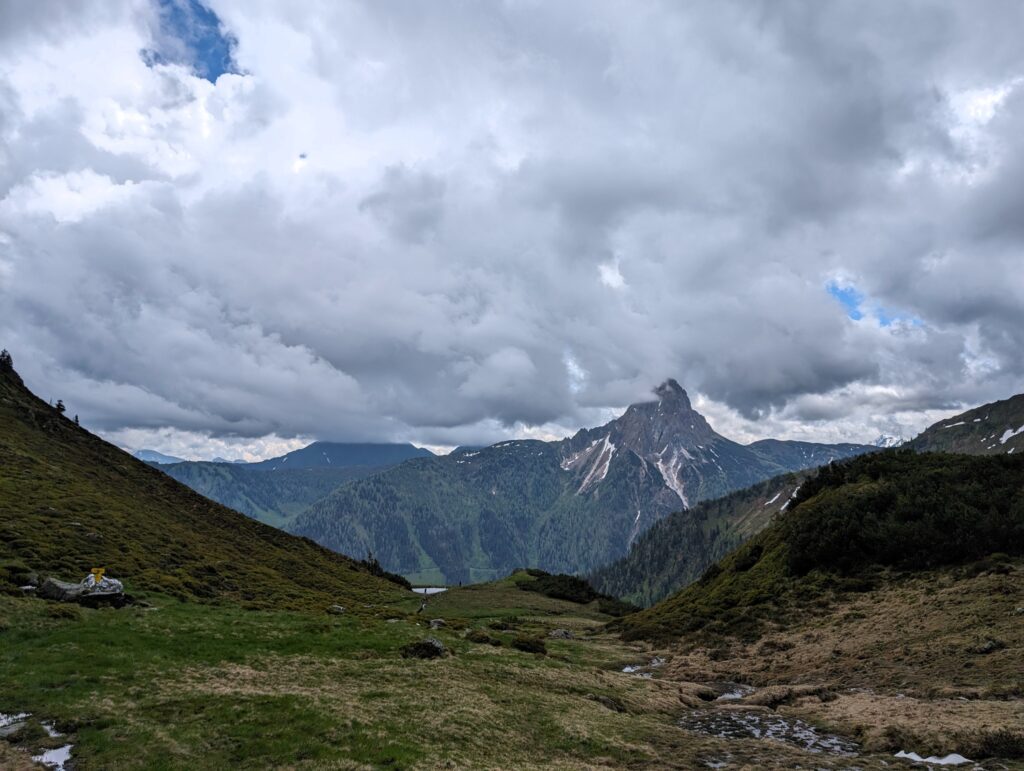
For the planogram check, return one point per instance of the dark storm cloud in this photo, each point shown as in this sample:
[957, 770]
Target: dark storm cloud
[447, 222]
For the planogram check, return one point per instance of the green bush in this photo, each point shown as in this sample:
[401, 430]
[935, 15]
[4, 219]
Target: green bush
[481, 637]
[529, 644]
[993, 744]
[908, 511]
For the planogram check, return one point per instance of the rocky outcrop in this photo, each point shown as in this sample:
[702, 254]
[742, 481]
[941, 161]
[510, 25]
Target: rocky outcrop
[430, 648]
[89, 592]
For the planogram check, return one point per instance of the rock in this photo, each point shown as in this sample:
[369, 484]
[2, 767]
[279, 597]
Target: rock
[437, 623]
[776, 695]
[991, 645]
[11, 730]
[561, 634]
[608, 701]
[108, 591]
[336, 610]
[430, 648]
[733, 706]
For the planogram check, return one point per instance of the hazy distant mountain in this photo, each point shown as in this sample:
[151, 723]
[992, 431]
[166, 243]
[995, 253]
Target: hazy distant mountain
[992, 429]
[335, 454]
[886, 441]
[275, 490]
[152, 456]
[219, 459]
[567, 506]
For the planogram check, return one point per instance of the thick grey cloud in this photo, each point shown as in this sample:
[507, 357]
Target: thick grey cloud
[453, 222]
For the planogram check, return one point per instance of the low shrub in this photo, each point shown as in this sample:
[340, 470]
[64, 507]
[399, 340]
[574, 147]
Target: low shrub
[529, 644]
[481, 637]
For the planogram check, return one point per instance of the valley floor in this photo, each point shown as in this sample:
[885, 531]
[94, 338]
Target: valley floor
[187, 686]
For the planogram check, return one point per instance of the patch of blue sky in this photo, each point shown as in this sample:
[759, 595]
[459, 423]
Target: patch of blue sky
[857, 305]
[192, 34]
[848, 297]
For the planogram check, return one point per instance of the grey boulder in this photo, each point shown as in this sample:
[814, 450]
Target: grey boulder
[91, 593]
[430, 648]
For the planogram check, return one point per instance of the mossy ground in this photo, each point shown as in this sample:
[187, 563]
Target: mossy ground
[186, 686]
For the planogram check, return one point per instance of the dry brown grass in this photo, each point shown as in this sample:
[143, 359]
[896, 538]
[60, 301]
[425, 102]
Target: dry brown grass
[896, 666]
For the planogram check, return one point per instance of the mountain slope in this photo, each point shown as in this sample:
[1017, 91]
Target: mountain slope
[70, 501]
[269, 497]
[895, 509]
[992, 429]
[678, 549]
[275, 490]
[563, 506]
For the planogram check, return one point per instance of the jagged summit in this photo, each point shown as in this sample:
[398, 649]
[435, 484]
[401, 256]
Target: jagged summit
[564, 506]
[671, 391]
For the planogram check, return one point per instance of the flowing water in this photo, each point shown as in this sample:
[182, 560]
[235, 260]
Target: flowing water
[734, 724]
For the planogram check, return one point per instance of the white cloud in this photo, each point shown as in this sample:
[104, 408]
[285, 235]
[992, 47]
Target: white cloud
[611, 277]
[395, 220]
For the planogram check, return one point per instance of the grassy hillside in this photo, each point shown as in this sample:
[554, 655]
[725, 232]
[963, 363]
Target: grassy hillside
[677, 550]
[992, 429]
[70, 501]
[847, 529]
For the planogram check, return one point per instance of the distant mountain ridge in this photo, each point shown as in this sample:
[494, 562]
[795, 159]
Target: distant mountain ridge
[335, 454]
[275, 490]
[566, 506]
[152, 456]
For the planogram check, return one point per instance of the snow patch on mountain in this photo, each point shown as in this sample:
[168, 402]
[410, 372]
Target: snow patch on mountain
[599, 469]
[670, 473]
[1009, 434]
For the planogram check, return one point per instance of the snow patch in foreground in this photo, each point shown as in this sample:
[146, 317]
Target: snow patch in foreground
[949, 760]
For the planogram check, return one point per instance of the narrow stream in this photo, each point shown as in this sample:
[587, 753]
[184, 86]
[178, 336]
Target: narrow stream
[734, 724]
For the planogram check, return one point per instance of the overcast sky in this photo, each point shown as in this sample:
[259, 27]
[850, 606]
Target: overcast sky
[228, 228]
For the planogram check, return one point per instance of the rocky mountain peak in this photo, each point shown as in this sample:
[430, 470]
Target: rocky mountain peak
[671, 391]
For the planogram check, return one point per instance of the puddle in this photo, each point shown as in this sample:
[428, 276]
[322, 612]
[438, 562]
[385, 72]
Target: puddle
[6, 720]
[759, 725]
[639, 669]
[428, 590]
[54, 759]
[728, 691]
